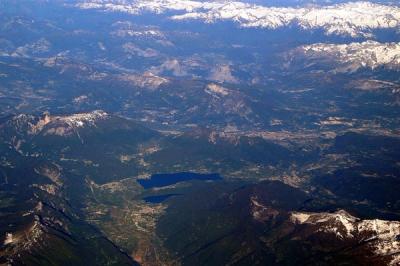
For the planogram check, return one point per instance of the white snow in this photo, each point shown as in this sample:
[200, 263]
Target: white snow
[370, 54]
[351, 19]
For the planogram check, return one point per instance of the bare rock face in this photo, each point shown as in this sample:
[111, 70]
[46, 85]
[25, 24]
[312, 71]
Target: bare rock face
[147, 81]
[223, 73]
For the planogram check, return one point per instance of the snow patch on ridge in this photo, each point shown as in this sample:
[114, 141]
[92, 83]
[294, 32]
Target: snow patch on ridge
[9, 239]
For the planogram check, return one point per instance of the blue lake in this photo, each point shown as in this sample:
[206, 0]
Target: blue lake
[163, 180]
[158, 198]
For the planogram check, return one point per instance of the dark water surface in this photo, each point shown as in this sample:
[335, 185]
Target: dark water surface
[163, 180]
[159, 198]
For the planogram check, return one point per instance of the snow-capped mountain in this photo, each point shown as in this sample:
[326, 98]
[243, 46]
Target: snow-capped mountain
[350, 57]
[353, 19]
[57, 125]
[79, 120]
[382, 237]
